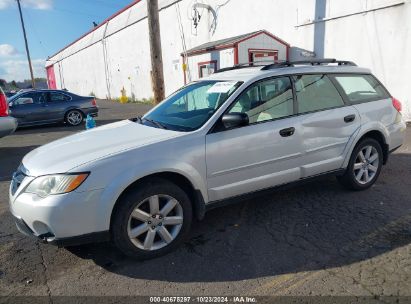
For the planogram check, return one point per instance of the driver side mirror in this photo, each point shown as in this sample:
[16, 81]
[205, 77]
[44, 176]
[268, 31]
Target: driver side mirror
[10, 104]
[233, 120]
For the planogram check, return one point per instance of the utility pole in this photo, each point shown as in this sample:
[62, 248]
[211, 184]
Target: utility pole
[27, 45]
[157, 76]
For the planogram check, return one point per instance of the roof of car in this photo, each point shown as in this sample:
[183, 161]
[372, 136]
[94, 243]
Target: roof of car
[248, 73]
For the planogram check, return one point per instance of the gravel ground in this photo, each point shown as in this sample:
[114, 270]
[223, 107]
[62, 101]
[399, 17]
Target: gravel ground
[315, 239]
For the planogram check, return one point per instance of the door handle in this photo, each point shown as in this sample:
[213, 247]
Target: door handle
[349, 118]
[287, 132]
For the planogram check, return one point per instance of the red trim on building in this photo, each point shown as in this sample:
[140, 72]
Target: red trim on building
[263, 32]
[236, 54]
[271, 52]
[236, 43]
[51, 77]
[199, 64]
[222, 47]
[100, 25]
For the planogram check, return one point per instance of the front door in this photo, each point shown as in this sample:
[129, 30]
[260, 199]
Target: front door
[261, 155]
[29, 108]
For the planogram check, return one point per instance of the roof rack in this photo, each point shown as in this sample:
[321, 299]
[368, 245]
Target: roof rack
[307, 62]
[286, 63]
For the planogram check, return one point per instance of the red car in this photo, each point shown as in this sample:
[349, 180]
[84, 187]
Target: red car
[8, 124]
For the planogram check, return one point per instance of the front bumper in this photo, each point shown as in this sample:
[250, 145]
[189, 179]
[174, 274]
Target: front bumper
[66, 219]
[93, 112]
[49, 238]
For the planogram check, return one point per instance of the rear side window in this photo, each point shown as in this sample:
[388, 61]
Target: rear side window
[361, 88]
[54, 97]
[315, 93]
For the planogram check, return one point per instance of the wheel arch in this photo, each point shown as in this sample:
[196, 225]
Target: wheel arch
[73, 108]
[195, 195]
[379, 136]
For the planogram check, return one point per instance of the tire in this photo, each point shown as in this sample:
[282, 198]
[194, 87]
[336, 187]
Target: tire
[144, 227]
[370, 166]
[74, 117]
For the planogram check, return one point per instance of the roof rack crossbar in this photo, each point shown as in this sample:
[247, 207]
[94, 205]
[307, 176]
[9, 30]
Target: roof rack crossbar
[307, 62]
[286, 63]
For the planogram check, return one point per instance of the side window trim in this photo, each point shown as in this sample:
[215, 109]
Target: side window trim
[214, 129]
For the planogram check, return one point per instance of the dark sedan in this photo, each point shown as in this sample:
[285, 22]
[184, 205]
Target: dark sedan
[38, 107]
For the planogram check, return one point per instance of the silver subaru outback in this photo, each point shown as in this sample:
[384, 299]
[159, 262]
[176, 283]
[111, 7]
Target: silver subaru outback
[140, 182]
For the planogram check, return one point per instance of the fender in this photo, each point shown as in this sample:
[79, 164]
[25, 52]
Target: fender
[364, 129]
[123, 180]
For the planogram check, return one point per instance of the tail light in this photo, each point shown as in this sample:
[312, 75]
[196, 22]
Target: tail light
[93, 102]
[396, 104]
[4, 108]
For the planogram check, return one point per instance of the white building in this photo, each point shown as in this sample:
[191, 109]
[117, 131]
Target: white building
[372, 33]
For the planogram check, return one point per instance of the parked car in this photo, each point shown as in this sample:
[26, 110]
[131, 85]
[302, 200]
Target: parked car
[10, 94]
[39, 107]
[140, 182]
[7, 124]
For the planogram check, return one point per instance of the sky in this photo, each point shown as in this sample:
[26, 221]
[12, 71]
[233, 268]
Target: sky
[50, 25]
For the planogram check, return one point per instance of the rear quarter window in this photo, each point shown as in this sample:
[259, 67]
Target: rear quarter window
[361, 88]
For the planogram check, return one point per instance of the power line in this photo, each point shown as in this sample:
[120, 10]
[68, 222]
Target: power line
[36, 33]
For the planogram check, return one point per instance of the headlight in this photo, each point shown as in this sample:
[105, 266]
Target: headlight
[55, 184]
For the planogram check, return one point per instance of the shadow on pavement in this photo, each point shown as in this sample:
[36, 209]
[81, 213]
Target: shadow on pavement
[316, 226]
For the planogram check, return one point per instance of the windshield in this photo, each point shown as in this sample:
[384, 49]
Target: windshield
[190, 107]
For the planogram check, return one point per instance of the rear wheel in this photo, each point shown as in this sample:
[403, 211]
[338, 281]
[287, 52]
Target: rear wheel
[74, 117]
[152, 219]
[364, 166]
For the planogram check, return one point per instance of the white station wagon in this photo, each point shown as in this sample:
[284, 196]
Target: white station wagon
[140, 182]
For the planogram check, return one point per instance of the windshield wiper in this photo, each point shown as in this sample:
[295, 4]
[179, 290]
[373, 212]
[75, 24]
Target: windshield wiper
[156, 123]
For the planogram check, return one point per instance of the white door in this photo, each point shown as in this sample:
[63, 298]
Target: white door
[261, 155]
[327, 125]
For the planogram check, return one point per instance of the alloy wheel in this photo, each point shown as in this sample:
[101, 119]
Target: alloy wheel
[74, 118]
[155, 222]
[366, 164]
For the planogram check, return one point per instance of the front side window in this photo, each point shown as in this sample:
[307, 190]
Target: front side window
[266, 100]
[26, 99]
[189, 108]
[316, 92]
[360, 88]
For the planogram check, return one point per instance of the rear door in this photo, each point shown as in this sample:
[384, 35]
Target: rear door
[57, 103]
[327, 124]
[262, 154]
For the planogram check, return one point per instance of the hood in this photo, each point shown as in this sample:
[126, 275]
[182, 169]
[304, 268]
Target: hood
[69, 152]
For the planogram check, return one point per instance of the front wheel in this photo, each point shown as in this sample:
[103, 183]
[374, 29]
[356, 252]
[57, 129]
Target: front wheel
[152, 219]
[364, 166]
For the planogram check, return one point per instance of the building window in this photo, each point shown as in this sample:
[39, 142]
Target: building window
[207, 68]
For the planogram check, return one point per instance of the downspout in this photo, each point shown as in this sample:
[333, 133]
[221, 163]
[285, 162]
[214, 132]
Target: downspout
[106, 70]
